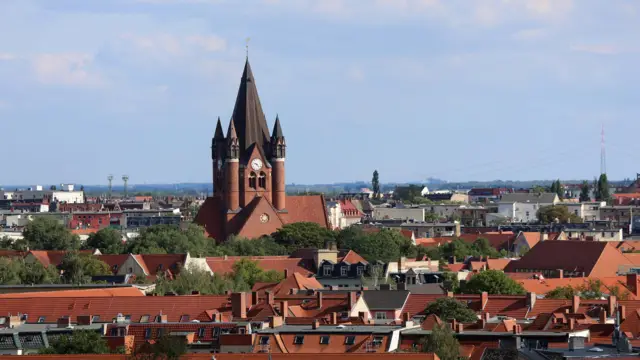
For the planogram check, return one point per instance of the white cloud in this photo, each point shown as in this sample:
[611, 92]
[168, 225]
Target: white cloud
[66, 69]
[601, 49]
[529, 34]
[7, 57]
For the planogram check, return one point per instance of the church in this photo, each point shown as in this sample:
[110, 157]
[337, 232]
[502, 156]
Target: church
[249, 197]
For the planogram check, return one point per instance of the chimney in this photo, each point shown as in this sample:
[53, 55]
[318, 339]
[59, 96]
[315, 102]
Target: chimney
[13, 321]
[560, 273]
[286, 273]
[316, 324]
[64, 322]
[334, 318]
[164, 318]
[623, 312]
[632, 283]
[363, 315]
[458, 231]
[239, 305]
[575, 304]
[275, 321]
[353, 297]
[454, 325]
[270, 298]
[84, 319]
[254, 299]
[401, 286]
[401, 263]
[385, 287]
[484, 297]
[449, 294]
[612, 303]
[603, 317]
[572, 324]
[284, 309]
[319, 299]
[531, 300]
[459, 328]
[486, 316]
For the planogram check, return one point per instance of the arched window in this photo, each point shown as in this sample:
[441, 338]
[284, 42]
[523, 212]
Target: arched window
[252, 180]
[262, 181]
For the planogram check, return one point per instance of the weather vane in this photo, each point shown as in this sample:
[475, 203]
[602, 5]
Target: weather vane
[247, 45]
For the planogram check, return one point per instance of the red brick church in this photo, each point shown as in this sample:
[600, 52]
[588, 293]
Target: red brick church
[249, 197]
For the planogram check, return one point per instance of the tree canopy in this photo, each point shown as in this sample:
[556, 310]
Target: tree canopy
[494, 282]
[384, 245]
[78, 342]
[601, 188]
[375, 184]
[46, 233]
[448, 309]
[585, 192]
[303, 235]
[549, 214]
[78, 268]
[171, 239]
[107, 240]
[442, 342]
[16, 271]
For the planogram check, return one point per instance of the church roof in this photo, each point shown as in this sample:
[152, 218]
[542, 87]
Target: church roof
[248, 117]
[277, 130]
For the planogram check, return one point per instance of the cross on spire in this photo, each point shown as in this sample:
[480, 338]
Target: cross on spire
[246, 45]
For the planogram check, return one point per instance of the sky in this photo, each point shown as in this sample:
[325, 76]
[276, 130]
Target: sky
[454, 89]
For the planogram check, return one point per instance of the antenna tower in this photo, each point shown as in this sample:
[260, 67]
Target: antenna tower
[125, 178]
[603, 154]
[110, 178]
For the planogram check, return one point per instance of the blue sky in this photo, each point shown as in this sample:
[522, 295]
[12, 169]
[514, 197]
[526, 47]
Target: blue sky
[455, 89]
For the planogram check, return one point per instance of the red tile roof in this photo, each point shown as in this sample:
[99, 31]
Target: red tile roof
[497, 264]
[223, 265]
[273, 356]
[351, 257]
[108, 307]
[51, 257]
[294, 281]
[106, 292]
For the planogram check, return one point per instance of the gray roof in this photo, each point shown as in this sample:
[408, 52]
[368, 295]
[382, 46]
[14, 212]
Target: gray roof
[542, 198]
[385, 299]
[365, 329]
[427, 289]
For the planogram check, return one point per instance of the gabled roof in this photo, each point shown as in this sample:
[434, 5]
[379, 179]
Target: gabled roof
[596, 259]
[497, 264]
[105, 292]
[294, 281]
[385, 299]
[532, 238]
[52, 257]
[351, 257]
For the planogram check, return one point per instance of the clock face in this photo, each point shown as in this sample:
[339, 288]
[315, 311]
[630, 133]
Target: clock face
[256, 164]
[264, 218]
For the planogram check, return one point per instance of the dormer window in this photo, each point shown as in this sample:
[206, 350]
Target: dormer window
[327, 270]
[344, 270]
[360, 270]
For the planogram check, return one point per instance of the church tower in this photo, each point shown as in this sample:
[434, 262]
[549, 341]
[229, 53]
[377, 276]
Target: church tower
[252, 163]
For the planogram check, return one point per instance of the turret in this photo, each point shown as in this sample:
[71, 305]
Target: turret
[278, 153]
[232, 168]
[217, 157]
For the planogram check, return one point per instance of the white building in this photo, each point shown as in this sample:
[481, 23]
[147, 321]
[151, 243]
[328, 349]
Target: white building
[587, 211]
[415, 214]
[343, 214]
[63, 193]
[523, 207]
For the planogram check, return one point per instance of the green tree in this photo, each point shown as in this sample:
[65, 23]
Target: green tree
[384, 245]
[442, 342]
[375, 184]
[16, 271]
[78, 342]
[194, 279]
[263, 246]
[451, 281]
[585, 192]
[78, 268]
[549, 214]
[447, 309]
[303, 235]
[539, 189]
[494, 282]
[603, 193]
[251, 273]
[170, 239]
[107, 240]
[408, 193]
[557, 188]
[46, 233]
[561, 292]
[10, 272]
[591, 290]
[430, 216]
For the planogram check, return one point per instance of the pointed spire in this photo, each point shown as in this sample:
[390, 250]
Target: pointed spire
[231, 133]
[277, 130]
[219, 134]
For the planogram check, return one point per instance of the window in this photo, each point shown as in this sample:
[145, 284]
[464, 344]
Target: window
[527, 214]
[252, 180]
[262, 180]
[381, 315]
[114, 332]
[298, 340]
[264, 340]
[160, 332]
[158, 318]
[95, 318]
[130, 270]
[377, 340]
[201, 332]
[343, 271]
[324, 340]
[360, 270]
[147, 333]
[349, 340]
[144, 318]
[575, 211]
[115, 268]
[184, 318]
[127, 317]
[327, 270]
[41, 319]
[215, 332]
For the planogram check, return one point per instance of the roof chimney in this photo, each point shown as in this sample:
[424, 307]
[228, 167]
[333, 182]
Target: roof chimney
[270, 296]
[254, 299]
[275, 321]
[632, 283]
[623, 312]
[319, 299]
[575, 304]
[316, 324]
[560, 273]
[572, 324]
[484, 297]
[353, 298]
[334, 318]
[531, 300]
[603, 316]
[284, 309]
[612, 303]
[239, 305]
[286, 273]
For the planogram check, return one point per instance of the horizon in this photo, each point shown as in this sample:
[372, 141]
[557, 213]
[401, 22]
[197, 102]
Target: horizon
[496, 90]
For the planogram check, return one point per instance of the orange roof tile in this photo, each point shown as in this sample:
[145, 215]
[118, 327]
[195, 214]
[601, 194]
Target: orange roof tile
[223, 265]
[497, 264]
[532, 238]
[545, 285]
[106, 292]
[351, 257]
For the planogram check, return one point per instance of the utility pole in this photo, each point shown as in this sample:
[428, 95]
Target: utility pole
[125, 178]
[110, 179]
